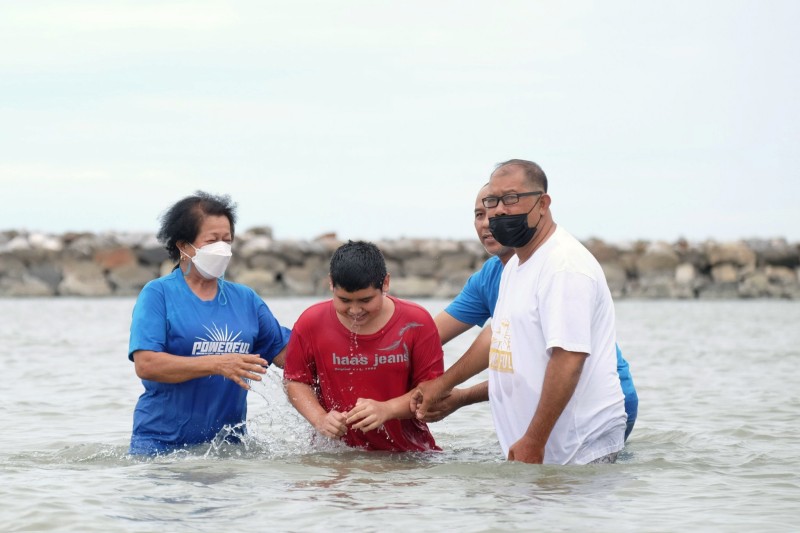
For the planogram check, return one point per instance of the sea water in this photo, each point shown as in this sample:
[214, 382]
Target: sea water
[716, 446]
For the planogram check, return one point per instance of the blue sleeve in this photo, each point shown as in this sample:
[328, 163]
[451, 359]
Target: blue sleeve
[625, 378]
[272, 337]
[475, 303]
[149, 322]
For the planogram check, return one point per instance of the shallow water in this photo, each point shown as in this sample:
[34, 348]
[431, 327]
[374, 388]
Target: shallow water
[715, 446]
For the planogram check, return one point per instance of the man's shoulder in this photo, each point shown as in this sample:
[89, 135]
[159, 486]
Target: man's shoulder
[567, 253]
[491, 266]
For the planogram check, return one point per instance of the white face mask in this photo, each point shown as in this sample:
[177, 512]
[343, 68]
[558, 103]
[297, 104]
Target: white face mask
[212, 259]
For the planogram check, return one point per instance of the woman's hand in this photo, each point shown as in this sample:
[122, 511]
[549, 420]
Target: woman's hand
[240, 367]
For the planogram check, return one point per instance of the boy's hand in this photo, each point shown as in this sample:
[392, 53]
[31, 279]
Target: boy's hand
[367, 415]
[333, 425]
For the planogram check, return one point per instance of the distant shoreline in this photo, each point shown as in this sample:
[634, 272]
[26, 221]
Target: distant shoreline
[119, 264]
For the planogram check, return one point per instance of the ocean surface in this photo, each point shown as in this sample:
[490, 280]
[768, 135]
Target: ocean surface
[716, 446]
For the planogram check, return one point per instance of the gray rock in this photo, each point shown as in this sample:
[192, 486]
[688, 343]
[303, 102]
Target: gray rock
[616, 277]
[83, 278]
[685, 274]
[254, 245]
[128, 280]
[421, 266]
[264, 282]
[296, 252]
[718, 291]
[776, 252]
[658, 262]
[756, 285]
[12, 266]
[457, 262]
[781, 275]
[439, 247]
[604, 253]
[400, 249]
[114, 258]
[267, 261]
[300, 280]
[736, 253]
[49, 272]
[724, 273]
[150, 251]
[413, 286]
[26, 285]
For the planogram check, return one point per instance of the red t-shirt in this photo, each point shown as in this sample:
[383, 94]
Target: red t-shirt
[343, 367]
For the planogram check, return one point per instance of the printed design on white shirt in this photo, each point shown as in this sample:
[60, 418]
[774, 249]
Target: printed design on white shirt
[360, 361]
[500, 359]
[219, 341]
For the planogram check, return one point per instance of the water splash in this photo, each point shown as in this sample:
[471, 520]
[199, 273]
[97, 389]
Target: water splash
[354, 329]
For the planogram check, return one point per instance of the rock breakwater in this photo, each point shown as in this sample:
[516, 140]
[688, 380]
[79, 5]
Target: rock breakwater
[119, 264]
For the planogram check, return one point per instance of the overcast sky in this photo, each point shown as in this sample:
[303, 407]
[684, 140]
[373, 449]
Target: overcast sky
[382, 119]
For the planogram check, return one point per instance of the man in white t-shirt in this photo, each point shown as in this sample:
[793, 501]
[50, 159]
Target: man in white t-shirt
[553, 384]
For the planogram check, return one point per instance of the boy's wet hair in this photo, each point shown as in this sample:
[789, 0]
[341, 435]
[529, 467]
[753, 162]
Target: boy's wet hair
[357, 265]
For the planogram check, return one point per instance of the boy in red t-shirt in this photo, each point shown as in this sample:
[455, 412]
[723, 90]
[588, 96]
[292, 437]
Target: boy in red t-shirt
[352, 361]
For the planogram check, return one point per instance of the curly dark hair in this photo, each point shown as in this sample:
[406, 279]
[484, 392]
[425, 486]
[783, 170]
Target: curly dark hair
[182, 221]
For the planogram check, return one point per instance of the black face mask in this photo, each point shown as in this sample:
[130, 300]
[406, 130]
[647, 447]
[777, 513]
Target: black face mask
[513, 230]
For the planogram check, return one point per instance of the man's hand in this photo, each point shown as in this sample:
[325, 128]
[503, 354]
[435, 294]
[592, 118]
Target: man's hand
[448, 404]
[425, 397]
[526, 451]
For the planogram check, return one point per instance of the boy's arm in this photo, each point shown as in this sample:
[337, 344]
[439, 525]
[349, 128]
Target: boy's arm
[303, 398]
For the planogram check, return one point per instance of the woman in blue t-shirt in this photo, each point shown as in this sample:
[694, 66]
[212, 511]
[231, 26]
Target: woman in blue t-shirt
[197, 339]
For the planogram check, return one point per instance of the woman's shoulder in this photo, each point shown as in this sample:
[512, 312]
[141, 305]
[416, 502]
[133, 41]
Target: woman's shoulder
[162, 283]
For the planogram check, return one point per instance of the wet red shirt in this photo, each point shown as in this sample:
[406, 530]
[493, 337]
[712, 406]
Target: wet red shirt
[343, 367]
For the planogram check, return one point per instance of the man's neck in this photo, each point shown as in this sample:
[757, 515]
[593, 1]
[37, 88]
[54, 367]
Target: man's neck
[540, 237]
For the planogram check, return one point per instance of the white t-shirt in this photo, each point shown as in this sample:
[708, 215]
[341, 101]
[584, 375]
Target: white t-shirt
[558, 298]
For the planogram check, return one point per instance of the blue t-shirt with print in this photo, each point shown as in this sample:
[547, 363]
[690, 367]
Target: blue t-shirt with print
[169, 317]
[475, 305]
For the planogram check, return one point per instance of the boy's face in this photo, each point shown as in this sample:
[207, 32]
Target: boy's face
[361, 307]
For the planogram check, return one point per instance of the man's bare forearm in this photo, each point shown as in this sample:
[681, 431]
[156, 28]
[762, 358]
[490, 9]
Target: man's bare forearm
[474, 360]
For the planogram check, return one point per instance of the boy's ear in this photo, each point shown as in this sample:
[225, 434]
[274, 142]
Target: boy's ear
[385, 287]
[330, 282]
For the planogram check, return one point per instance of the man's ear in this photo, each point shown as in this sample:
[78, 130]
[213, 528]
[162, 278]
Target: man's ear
[546, 201]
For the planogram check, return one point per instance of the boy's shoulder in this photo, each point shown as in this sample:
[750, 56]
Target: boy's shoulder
[409, 307]
[315, 311]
